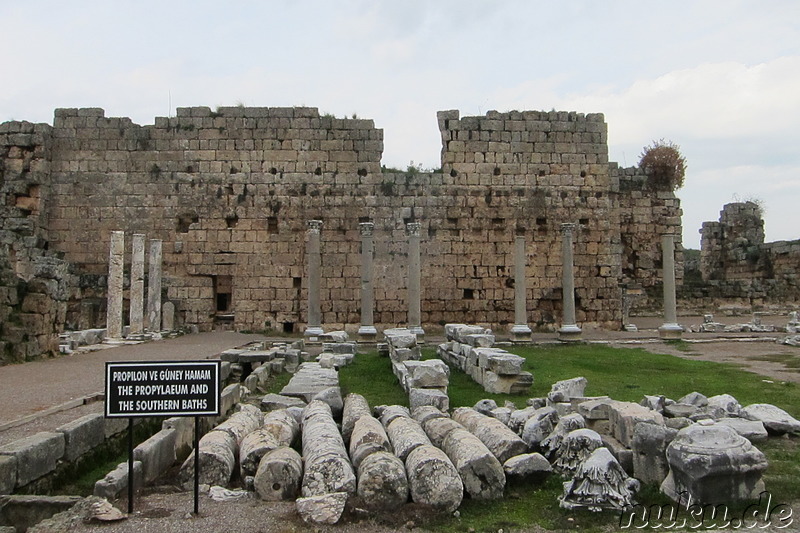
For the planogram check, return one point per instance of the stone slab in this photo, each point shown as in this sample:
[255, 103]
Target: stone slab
[36, 455]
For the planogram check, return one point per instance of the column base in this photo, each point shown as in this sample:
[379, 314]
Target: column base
[419, 332]
[367, 334]
[671, 331]
[313, 332]
[570, 333]
[520, 333]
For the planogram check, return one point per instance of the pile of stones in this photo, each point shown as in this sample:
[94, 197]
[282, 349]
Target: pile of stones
[337, 350]
[381, 458]
[425, 382]
[277, 357]
[470, 349]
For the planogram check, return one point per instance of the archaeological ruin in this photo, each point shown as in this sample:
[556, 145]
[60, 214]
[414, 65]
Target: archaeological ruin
[258, 219]
[229, 195]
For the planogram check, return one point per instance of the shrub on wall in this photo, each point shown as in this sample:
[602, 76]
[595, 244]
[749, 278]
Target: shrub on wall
[664, 165]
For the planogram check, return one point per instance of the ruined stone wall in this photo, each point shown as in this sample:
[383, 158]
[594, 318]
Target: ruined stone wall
[736, 263]
[230, 191]
[645, 214]
[34, 283]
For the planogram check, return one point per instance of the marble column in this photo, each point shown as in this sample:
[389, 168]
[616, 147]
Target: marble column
[116, 264]
[137, 285]
[154, 287]
[367, 331]
[520, 331]
[314, 326]
[670, 329]
[414, 311]
[569, 330]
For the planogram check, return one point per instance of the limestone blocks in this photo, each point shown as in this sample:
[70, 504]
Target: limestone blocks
[424, 381]
[469, 348]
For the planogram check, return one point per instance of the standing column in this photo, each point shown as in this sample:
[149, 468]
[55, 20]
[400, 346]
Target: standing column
[569, 328]
[414, 311]
[520, 331]
[137, 285]
[314, 326]
[367, 331]
[116, 263]
[670, 329]
[154, 287]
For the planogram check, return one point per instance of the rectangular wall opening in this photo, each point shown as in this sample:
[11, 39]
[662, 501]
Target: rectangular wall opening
[223, 294]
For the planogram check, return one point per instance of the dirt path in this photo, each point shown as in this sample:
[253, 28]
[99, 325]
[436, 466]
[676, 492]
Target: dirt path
[760, 356]
[34, 387]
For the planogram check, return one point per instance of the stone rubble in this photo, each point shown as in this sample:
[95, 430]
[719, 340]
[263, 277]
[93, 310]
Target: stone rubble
[425, 382]
[701, 445]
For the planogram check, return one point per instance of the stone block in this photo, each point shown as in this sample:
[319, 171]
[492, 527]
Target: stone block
[596, 409]
[82, 435]
[478, 340]
[420, 397]
[26, 510]
[339, 347]
[775, 419]
[427, 374]
[36, 455]
[232, 355]
[157, 454]
[622, 454]
[270, 402]
[8, 474]
[562, 391]
[113, 426]
[505, 364]
[230, 396]
[116, 481]
[625, 415]
[183, 426]
[752, 430]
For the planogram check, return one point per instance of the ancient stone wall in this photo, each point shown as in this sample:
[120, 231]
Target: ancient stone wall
[230, 192]
[735, 262]
[34, 282]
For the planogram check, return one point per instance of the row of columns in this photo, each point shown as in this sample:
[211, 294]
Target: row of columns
[116, 267]
[569, 330]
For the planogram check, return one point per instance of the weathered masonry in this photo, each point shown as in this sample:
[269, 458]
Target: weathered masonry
[229, 192]
[737, 266]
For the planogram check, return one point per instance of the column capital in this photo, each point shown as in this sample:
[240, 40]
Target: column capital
[314, 226]
[568, 228]
[366, 228]
[412, 228]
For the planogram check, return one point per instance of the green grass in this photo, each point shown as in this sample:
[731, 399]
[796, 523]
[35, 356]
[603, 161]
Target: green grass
[790, 361]
[371, 376]
[628, 374]
[623, 374]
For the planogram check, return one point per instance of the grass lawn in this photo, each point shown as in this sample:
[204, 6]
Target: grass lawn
[622, 374]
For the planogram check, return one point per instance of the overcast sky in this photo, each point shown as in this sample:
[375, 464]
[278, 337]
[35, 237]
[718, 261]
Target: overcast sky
[719, 78]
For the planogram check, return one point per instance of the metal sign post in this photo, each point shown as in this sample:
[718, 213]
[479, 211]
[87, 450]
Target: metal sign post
[163, 388]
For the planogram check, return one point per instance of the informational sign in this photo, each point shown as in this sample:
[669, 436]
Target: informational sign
[163, 388]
